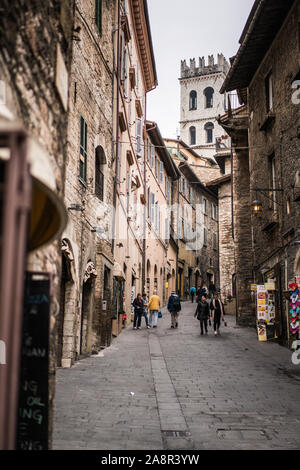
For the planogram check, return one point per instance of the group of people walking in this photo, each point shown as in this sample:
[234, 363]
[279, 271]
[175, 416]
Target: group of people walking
[206, 313]
[142, 307]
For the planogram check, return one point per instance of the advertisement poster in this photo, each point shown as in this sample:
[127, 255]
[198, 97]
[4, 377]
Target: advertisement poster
[262, 331]
[261, 303]
[271, 306]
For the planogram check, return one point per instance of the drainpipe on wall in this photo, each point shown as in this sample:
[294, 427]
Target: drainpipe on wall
[145, 215]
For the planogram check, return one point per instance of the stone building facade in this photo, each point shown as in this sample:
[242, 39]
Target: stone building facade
[161, 175]
[35, 62]
[270, 168]
[196, 222]
[223, 184]
[202, 135]
[85, 303]
[135, 76]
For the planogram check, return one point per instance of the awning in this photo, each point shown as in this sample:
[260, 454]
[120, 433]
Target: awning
[48, 214]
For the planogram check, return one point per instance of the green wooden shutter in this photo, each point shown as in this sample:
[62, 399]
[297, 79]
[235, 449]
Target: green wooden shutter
[98, 15]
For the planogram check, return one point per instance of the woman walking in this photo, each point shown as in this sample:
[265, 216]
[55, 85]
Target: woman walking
[218, 312]
[145, 306]
[153, 307]
[202, 314]
[138, 312]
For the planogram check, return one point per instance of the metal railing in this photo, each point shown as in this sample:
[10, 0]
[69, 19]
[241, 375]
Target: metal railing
[232, 102]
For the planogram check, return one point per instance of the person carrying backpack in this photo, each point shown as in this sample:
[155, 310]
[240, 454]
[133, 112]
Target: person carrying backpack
[174, 308]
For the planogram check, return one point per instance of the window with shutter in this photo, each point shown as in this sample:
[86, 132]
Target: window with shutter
[152, 156]
[204, 236]
[138, 137]
[98, 15]
[161, 172]
[125, 81]
[152, 208]
[100, 161]
[83, 149]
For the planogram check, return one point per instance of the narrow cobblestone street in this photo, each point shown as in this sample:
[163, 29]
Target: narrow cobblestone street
[174, 389]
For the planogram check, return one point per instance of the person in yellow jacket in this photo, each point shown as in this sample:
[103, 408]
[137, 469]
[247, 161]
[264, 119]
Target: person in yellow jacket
[153, 308]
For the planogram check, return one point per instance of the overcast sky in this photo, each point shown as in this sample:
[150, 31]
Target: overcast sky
[183, 30]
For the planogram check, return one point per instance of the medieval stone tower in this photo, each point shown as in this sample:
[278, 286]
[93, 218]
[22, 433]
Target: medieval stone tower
[201, 103]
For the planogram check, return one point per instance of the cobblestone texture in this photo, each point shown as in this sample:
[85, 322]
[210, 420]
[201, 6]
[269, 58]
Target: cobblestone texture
[226, 392]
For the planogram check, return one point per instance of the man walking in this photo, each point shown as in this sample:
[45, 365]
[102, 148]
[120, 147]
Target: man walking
[192, 293]
[174, 308]
[145, 306]
[218, 312]
[202, 314]
[153, 307]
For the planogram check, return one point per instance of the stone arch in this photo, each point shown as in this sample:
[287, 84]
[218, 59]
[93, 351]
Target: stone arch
[209, 129]
[209, 94]
[192, 132]
[193, 100]
[87, 307]
[100, 171]
[148, 277]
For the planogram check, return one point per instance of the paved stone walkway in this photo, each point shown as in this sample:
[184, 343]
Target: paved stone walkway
[174, 389]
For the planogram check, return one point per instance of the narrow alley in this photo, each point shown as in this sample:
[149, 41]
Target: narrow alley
[174, 389]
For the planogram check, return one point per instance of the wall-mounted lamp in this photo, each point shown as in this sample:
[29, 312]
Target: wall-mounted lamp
[256, 207]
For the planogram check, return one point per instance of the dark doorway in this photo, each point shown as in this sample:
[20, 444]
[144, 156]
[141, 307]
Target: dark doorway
[85, 314]
[65, 278]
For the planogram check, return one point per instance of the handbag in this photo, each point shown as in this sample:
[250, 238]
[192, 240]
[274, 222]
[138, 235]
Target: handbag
[159, 314]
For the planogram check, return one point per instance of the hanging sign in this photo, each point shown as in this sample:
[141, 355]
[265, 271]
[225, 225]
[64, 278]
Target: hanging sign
[270, 285]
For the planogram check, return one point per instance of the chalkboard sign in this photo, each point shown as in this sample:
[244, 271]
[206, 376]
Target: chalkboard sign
[32, 426]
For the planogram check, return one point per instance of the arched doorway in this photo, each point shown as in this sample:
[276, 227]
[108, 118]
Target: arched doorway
[86, 307]
[155, 278]
[65, 321]
[148, 278]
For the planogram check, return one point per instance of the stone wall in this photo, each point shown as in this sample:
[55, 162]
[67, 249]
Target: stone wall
[227, 255]
[275, 246]
[29, 51]
[87, 325]
[243, 236]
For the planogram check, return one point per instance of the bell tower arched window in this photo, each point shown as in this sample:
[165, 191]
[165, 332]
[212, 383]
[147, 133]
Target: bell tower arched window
[193, 100]
[209, 128]
[209, 97]
[192, 135]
